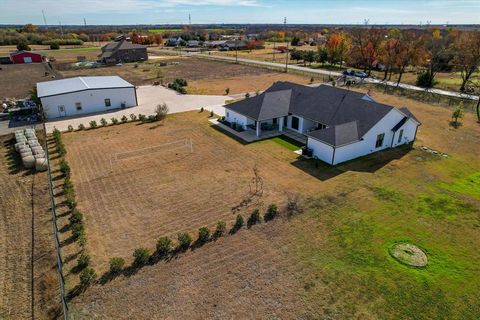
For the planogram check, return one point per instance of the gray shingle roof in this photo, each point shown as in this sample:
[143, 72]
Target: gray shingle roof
[348, 115]
[409, 114]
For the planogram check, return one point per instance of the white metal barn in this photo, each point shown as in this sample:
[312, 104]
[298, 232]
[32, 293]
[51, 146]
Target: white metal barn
[84, 95]
[339, 125]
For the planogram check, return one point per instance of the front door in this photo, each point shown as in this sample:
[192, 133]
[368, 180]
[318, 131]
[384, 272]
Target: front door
[61, 111]
[295, 123]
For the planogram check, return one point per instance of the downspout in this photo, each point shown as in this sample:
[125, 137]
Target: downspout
[393, 137]
[333, 155]
[136, 100]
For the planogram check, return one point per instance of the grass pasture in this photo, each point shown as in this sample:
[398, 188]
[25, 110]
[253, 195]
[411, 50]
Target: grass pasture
[136, 183]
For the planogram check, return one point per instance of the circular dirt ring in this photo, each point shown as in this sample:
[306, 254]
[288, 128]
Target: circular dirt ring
[409, 255]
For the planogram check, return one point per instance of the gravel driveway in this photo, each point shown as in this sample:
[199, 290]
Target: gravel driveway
[148, 98]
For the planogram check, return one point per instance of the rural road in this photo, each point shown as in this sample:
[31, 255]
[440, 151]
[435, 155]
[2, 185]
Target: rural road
[329, 73]
[148, 98]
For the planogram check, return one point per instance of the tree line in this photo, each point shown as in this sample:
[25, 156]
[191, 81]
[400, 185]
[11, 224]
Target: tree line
[394, 51]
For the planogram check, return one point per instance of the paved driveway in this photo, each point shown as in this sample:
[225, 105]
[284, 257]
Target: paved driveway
[148, 98]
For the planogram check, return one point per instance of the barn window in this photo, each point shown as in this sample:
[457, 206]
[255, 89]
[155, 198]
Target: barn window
[78, 105]
[379, 142]
[108, 103]
[400, 136]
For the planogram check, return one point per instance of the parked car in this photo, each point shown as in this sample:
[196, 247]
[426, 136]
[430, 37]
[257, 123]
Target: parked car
[349, 72]
[361, 74]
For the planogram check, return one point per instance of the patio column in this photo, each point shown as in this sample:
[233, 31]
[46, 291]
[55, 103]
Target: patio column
[259, 130]
[280, 124]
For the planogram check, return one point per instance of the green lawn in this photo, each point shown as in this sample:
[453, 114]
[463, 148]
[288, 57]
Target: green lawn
[287, 142]
[349, 260]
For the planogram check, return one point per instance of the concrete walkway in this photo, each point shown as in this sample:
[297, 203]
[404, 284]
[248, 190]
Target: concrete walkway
[329, 73]
[148, 98]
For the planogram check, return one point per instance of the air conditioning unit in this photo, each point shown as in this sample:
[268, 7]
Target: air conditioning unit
[123, 105]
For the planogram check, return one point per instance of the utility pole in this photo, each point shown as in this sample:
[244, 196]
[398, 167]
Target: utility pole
[189, 19]
[61, 28]
[85, 23]
[44, 19]
[286, 58]
[236, 49]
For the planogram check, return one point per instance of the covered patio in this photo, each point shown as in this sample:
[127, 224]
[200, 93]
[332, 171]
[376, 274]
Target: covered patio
[255, 133]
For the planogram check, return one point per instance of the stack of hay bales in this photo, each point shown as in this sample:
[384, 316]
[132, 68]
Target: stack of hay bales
[32, 153]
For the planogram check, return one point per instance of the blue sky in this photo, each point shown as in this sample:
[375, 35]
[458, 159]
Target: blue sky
[239, 11]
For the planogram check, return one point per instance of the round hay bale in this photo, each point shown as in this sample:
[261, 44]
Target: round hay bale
[23, 148]
[37, 148]
[19, 132]
[37, 151]
[30, 136]
[39, 155]
[409, 254]
[33, 143]
[18, 144]
[21, 139]
[28, 161]
[41, 164]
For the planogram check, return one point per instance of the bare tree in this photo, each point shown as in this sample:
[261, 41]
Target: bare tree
[161, 111]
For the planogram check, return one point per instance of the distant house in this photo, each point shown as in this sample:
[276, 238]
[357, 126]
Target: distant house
[26, 57]
[84, 95]
[214, 44]
[193, 43]
[339, 125]
[174, 41]
[231, 45]
[123, 51]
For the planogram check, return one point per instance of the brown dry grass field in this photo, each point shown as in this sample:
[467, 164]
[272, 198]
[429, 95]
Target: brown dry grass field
[16, 80]
[28, 276]
[204, 76]
[136, 183]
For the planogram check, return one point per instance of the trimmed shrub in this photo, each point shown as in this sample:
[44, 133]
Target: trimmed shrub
[181, 82]
[93, 124]
[114, 120]
[212, 114]
[64, 168]
[83, 261]
[164, 245]
[70, 128]
[271, 213]
[247, 95]
[103, 122]
[141, 255]
[124, 119]
[76, 217]
[220, 230]
[116, 265]
[57, 135]
[87, 276]
[184, 241]
[227, 91]
[203, 235]
[54, 46]
[238, 222]
[133, 117]
[78, 230]
[81, 127]
[82, 240]
[161, 111]
[201, 109]
[142, 117]
[254, 218]
[70, 199]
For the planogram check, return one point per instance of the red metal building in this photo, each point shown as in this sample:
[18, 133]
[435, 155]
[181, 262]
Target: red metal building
[26, 57]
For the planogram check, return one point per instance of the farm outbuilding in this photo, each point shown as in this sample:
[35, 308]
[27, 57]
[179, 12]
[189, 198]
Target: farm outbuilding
[26, 57]
[85, 95]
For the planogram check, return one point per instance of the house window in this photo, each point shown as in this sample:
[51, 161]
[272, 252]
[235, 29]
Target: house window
[400, 136]
[108, 103]
[379, 142]
[228, 114]
[295, 123]
[78, 105]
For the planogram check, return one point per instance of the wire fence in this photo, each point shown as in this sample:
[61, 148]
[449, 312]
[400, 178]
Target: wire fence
[61, 276]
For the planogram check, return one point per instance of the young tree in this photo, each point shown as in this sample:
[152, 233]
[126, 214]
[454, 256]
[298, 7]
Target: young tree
[116, 265]
[295, 41]
[457, 114]
[309, 56]
[161, 111]
[467, 55]
[141, 256]
[164, 245]
[23, 46]
[297, 55]
[203, 235]
[336, 48]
